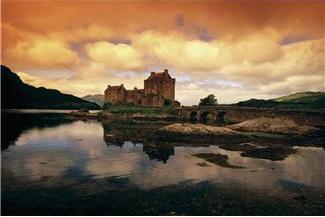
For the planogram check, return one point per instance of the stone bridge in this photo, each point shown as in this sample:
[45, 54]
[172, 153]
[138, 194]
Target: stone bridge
[234, 114]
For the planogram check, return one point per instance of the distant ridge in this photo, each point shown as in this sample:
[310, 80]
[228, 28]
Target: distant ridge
[97, 98]
[15, 94]
[302, 97]
[299, 101]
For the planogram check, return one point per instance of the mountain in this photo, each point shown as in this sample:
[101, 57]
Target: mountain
[17, 94]
[97, 98]
[300, 101]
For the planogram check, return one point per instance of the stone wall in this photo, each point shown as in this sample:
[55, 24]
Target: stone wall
[154, 100]
[115, 94]
[135, 97]
[235, 114]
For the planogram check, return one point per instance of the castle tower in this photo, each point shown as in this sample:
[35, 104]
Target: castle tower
[160, 83]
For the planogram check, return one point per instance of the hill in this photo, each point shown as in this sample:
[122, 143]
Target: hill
[303, 97]
[17, 94]
[97, 98]
[299, 101]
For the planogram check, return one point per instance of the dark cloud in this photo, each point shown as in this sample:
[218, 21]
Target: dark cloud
[294, 39]
[180, 22]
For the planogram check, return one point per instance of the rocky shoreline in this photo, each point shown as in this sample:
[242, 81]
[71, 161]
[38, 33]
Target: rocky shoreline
[264, 129]
[279, 126]
[122, 116]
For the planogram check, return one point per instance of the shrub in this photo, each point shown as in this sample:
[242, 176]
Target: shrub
[210, 100]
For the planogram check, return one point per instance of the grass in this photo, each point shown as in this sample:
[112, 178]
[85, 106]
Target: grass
[131, 109]
[302, 97]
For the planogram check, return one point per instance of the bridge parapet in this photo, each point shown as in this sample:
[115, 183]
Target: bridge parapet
[235, 114]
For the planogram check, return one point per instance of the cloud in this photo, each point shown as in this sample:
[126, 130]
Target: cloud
[191, 93]
[120, 56]
[267, 49]
[296, 84]
[80, 34]
[183, 53]
[127, 17]
[37, 81]
[303, 58]
[87, 78]
[298, 67]
[255, 48]
[176, 51]
[43, 52]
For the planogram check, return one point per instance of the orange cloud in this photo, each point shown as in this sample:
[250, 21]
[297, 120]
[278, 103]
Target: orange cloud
[264, 46]
[120, 56]
[43, 52]
[220, 17]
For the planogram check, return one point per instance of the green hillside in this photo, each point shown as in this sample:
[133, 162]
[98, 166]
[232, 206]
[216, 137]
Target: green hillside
[303, 97]
[298, 101]
[15, 94]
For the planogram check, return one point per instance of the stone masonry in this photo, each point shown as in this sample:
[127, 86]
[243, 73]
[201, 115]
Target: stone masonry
[159, 90]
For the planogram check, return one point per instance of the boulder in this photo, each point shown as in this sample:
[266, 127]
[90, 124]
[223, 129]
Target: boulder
[196, 129]
[197, 133]
[273, 125]
[217, 159]
[270, 153]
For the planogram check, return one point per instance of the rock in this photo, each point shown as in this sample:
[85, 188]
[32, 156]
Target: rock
[83, 111]
[270, 153]
[217, 159]
[197, 129]
[203, 164]
[272, 125]
[84, 114]
[300, 197]
[238, 147]
[198, 133]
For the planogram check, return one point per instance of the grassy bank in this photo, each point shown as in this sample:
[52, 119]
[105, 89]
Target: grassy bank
[131, 109]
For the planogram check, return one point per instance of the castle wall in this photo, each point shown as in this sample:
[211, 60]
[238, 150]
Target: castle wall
[154, 100]
[115, 95]
[157, 88]
[135, 97]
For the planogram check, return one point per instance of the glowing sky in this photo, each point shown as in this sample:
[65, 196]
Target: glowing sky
[234, 49]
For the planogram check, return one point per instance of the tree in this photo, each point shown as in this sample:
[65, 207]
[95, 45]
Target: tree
[208, 101]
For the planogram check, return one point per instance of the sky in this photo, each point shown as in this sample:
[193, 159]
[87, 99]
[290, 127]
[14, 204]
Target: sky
[236, 50]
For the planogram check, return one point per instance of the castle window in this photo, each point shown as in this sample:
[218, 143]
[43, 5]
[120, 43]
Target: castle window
[139, 101]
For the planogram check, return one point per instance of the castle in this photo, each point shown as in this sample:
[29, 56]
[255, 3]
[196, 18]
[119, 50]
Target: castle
[159, 90]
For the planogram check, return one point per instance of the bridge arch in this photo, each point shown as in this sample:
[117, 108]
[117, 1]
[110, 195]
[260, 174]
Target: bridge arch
[220, 118]
[204, 116]
[193, 116]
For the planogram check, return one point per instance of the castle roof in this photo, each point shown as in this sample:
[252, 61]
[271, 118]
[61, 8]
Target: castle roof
[136, 91]
[116, 88]
[159, 76]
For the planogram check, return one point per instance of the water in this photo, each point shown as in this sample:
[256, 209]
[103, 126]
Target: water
[42, 111]
[54, 165]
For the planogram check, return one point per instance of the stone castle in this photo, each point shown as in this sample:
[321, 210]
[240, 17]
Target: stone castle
[159, 90]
